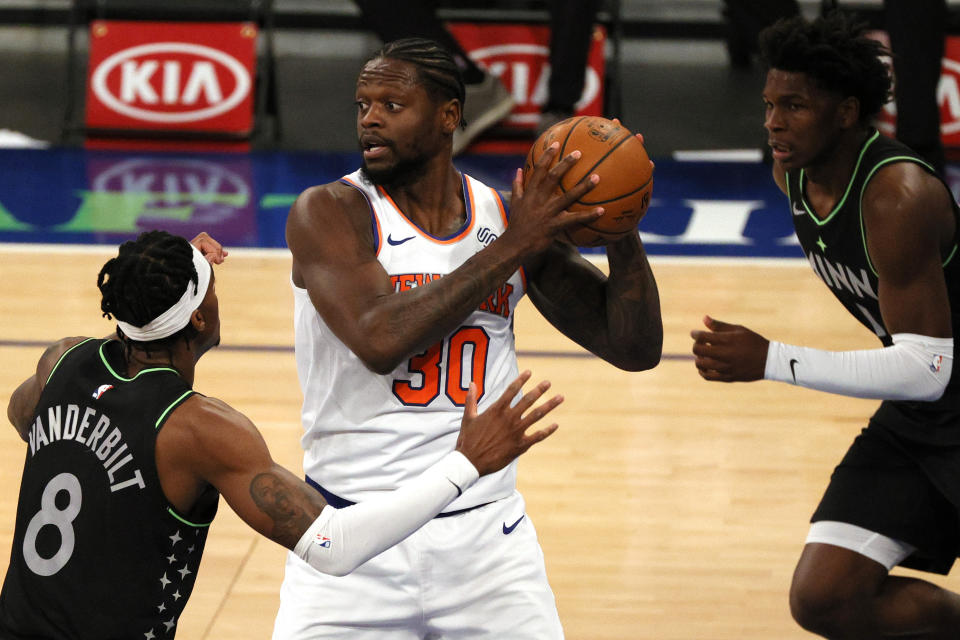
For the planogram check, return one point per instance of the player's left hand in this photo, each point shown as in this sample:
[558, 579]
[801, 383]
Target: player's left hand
[210, 248]
[492, 439]
[729, 352]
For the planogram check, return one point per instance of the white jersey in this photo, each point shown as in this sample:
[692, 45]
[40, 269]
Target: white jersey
[365, 432]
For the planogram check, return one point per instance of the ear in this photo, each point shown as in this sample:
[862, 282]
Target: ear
[198, 321]
[451, 112]
[848, 112]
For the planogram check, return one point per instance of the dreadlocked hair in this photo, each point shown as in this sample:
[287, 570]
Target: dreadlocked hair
[148, 276]
[436, 68]
[835, 52]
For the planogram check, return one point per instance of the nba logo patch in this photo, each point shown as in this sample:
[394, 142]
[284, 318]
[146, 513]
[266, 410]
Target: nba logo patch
[935, 365]
[102, 389]
[322, 541]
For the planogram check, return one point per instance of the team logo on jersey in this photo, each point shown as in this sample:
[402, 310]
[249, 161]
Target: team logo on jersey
[102, 389]
[486, 235]
[936, 364]
[322, 541]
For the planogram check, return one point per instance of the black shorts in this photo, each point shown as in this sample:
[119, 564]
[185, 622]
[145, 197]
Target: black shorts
[900, 489]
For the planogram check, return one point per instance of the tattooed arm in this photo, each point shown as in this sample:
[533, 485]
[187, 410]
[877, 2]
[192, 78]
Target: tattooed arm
[616, 317]
[329, 232]
[206, 442]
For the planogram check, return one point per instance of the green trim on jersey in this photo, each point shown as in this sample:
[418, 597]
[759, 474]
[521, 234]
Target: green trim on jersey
[163, 417]
[198, 525]
[173, 405]
[866, 181]
[953, 252]
[64, 355]
[846, 193]
[116, 375]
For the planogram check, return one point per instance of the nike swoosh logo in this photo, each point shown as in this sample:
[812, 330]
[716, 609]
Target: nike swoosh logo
[456, 486]
[798, 211]
[508, 530]
[793, 371]
[390, 240]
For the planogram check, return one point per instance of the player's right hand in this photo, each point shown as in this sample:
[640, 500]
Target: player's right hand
[494, 438]
[538, 206]
[212, 250]
[729, 352]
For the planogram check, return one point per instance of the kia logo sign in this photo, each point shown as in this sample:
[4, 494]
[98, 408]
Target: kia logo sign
[524, 69]
[174, 182]
[518, 54]
[948, 96]
[171, 82]
[180, 194]
[948, 100]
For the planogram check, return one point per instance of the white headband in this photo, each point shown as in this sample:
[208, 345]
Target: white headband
[177, 316]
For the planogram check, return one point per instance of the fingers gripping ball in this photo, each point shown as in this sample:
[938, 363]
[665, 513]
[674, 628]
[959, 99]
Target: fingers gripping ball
[626, 175]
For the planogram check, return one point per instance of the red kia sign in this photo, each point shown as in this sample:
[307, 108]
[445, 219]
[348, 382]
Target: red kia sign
[519, 55]
[171, 76]
[948, 94]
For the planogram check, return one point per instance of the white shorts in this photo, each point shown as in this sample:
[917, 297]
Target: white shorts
[464, 576]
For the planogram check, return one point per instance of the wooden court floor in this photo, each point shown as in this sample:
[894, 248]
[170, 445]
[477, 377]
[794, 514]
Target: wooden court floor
[668, 508]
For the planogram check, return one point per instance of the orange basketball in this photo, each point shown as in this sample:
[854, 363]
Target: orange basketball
[626, 176]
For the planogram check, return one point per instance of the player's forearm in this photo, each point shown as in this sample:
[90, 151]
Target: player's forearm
[617, 318]
[340, 540]
[634, 322]
[406, 323]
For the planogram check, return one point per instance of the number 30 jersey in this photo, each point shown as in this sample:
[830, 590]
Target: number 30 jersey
[365, 432]
[98, 552]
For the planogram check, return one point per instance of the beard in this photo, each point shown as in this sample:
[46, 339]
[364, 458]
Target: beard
[402, 172]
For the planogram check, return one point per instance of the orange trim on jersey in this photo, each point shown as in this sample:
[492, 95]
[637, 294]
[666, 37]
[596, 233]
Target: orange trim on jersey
[467, 226]
[501, 206]
[506, 222]
[377, 232]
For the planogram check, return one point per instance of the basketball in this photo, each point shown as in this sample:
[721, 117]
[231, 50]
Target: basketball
[626, 176]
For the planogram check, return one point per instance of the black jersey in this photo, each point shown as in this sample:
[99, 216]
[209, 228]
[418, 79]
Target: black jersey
[98, 552]
[837, 252]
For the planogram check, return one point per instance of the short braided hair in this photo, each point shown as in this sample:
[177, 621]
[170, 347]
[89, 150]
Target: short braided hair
[148, 276]
[436, 67]
[836, 53]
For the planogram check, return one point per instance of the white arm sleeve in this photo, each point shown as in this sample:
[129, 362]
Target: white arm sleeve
[914, 368]
[340, 540]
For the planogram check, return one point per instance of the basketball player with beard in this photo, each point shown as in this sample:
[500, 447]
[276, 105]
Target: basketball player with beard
[125, 463]
[406, 275]
[879, 229]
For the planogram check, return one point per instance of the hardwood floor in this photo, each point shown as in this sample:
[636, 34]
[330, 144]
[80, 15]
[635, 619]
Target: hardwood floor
[668, 508]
